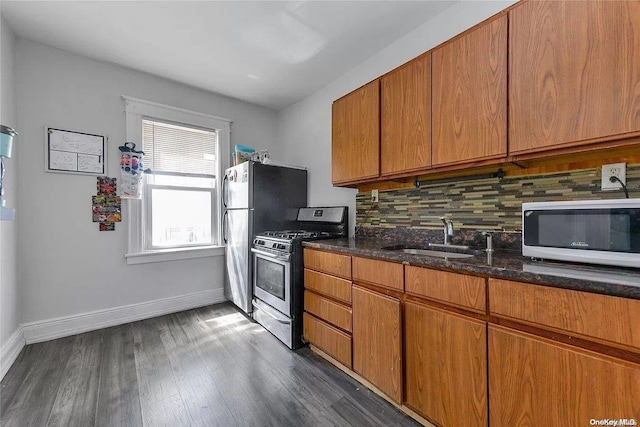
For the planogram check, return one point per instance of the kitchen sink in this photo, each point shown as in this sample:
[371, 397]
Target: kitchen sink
[439, 252]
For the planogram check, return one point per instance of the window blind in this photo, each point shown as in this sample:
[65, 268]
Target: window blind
[172, 148]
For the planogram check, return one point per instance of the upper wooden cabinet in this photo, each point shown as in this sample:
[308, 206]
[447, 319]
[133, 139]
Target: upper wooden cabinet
[406, 118]
[574, 73]
[355, 139]
[470, 96]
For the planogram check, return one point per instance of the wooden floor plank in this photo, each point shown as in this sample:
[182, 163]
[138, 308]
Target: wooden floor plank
[204, 400]
[75, 403]
[204, 367]
[118, 403]
[19, 373]
[160, 400]
[32, 403]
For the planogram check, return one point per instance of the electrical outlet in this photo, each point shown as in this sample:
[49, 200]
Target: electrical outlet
[614, 169]
[374, 196]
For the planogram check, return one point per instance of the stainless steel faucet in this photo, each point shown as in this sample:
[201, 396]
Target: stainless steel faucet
[489, 236]
[448, 229]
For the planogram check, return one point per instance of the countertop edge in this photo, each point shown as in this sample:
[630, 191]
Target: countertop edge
[504, 265]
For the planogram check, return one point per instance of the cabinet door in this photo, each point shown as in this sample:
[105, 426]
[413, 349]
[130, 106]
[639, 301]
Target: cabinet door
[446, 366]
[536, 382]
[406, 118]
[574, 72]
[470, 96]
[377, 341]
[355, 140]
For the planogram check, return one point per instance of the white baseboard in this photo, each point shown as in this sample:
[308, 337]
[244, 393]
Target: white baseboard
[10, 351]
[46, 330]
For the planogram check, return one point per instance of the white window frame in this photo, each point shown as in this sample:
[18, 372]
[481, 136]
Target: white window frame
[136, 110]
[148, 195]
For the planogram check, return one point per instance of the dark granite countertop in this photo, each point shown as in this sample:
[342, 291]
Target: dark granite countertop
[503, 264]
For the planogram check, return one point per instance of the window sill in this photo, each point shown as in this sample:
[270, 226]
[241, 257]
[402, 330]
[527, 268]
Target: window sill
[174, 254]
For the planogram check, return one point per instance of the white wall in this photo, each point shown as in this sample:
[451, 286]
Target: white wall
[66, 266]
[304, 128]
[9, 316]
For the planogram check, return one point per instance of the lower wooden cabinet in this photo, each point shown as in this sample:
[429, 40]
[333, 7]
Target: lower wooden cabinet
[377, 340]
[333, 341]
[537, 382]
[446, 366]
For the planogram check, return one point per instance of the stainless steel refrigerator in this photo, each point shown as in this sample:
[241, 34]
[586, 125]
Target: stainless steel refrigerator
[256, 198]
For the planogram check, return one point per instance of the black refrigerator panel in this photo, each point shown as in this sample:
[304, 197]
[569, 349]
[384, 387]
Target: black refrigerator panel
[276, 195]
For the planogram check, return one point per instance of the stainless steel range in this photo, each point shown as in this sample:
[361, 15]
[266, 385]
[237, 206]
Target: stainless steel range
[278, 270]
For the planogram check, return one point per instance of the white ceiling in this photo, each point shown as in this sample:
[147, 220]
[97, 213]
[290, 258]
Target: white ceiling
[270, 53]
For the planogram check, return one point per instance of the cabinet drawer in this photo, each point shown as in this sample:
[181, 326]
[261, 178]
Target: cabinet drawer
[458, 289]
[327, 262]
[330, 286]
[332, 312]
[606, 319]
[335, 343]
[382, 273]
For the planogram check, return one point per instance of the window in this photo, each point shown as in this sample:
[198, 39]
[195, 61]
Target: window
[178, 216]
[180, 194]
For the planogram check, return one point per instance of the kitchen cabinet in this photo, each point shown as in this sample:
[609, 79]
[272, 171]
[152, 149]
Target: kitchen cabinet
[355, 139]
[327, 318]
[581, 314]
[470, 96]
[458, 290]
[558, 383]
[535, 381]
[405, 144]
[377, 340]
[327, 262]
[332, 341]
[460, 349]
[446, 366]
[324, 308]
[574, 73]
[380, 273]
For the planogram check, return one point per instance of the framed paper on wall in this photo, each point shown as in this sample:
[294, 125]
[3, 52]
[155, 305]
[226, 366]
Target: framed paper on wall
[75, 152]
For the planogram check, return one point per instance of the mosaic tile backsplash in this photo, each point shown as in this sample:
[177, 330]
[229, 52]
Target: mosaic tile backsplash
[486, 204]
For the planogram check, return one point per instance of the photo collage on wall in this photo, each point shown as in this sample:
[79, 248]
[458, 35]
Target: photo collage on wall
[106, 205]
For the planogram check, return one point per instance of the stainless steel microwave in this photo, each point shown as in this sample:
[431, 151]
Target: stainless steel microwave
[590, 231]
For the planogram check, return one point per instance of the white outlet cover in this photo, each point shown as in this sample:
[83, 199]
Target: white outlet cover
[617, 169]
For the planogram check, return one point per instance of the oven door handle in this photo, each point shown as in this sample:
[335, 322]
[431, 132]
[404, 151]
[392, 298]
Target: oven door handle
[270, 255]
[266, 311]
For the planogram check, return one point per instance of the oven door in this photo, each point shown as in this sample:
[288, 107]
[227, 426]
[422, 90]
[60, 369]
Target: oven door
[272, 279]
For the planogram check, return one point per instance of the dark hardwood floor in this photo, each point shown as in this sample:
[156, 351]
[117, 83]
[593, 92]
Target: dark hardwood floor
[204, 367]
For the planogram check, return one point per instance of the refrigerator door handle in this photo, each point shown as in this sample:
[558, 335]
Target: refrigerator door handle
[224, 226]
[225, 184]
